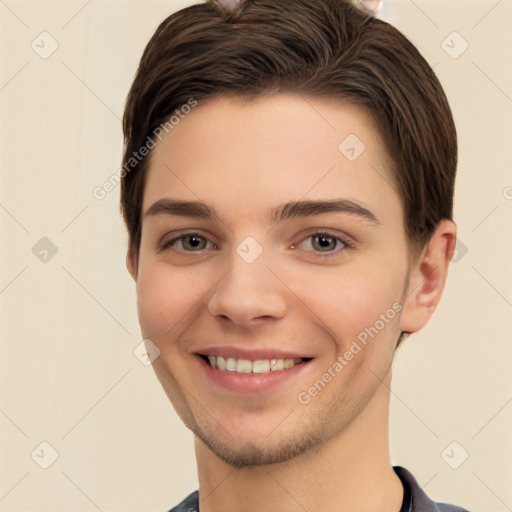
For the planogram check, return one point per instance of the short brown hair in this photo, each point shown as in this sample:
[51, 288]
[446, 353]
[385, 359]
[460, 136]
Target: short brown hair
[320, 48]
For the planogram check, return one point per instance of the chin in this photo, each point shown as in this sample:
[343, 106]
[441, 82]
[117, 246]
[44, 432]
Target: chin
[243, 453]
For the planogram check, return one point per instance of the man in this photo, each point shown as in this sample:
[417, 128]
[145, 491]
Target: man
[287, 187]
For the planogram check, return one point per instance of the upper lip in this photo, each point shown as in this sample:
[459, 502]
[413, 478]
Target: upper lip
[253, 354]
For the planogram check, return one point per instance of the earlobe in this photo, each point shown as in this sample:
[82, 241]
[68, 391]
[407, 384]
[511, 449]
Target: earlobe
[427, 278]
[131, 263]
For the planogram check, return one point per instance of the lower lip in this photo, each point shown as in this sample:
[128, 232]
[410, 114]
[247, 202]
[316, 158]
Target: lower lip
[250, 382]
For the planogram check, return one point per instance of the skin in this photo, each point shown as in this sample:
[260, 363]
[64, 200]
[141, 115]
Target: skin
[267, 450]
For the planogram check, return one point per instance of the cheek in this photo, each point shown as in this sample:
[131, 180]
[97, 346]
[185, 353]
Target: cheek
[352, 298]
[165, 298]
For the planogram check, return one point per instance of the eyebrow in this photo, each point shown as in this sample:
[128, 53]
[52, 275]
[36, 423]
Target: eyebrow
[293, 209]
[309, 208]
[194, 209]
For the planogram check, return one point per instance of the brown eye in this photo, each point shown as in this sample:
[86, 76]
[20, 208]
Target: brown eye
[189, 242]
[324, 243]
[193, 243]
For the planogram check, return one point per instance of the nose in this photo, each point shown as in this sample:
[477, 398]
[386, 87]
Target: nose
[248, 295]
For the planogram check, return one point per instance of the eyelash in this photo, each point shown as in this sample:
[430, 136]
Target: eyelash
[170, 243]
[345, 242]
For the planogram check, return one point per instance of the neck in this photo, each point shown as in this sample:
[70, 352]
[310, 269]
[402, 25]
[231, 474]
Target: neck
[351, 471]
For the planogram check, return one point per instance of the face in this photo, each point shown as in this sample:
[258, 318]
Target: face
[271, 272]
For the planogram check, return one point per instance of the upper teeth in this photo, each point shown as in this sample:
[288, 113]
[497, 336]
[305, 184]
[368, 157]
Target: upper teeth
[246, 366]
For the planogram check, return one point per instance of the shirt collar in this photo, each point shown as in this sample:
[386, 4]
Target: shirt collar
[415, 499]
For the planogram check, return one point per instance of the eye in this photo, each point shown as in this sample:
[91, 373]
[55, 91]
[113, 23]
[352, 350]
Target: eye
[323, 242]
[326, 243]
[188, 242]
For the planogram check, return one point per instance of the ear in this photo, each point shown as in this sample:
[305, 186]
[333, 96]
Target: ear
[427, 278]
[132, 263]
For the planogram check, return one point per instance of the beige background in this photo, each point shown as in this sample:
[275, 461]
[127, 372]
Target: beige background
[69, 326]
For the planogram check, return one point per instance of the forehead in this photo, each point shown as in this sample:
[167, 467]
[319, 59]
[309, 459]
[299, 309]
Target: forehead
[243, 156]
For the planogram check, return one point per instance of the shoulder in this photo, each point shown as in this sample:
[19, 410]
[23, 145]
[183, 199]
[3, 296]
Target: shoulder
[189, 504]
[415, 499]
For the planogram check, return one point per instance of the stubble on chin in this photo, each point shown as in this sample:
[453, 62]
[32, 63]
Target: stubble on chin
[278, 446]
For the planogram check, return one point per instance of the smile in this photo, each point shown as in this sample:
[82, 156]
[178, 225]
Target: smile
[231, 364]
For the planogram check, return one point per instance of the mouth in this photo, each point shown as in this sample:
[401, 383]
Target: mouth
[257, 366]
[248, 372]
